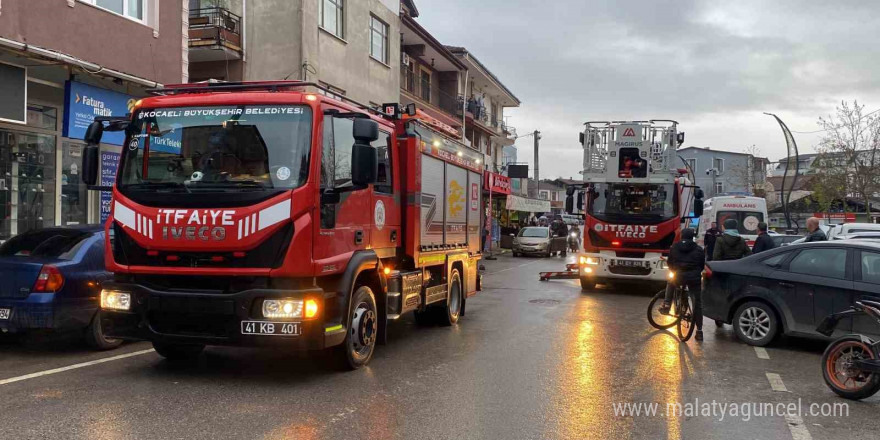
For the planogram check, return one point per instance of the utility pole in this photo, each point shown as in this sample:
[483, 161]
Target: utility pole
[537, 138]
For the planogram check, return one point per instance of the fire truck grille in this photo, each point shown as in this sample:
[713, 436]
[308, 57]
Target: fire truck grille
[664, 243]
[270, 253]
[191, 324]
[628, 270]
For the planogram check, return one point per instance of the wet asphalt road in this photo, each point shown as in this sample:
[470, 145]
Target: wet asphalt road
[530, 360]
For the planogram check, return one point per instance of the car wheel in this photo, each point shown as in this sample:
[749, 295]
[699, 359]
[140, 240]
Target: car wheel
[755, 323]
[178, 352]
[95, 335]
[360, 341]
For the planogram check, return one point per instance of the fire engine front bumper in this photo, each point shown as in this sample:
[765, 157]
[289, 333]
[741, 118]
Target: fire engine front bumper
[608, 266]
[235, 319]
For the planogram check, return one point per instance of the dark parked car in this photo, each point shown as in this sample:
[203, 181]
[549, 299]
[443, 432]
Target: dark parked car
[51, 281]
[791, 289]
[785, 240]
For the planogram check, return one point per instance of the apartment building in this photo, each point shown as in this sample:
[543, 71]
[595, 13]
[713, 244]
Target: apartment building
[726, 172]
[351, 47]
[63, 62]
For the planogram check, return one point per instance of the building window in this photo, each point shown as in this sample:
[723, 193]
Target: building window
[331, 17]
[719, 188]
[133, 9]
[378, 39]
[718, 164]
[692, 165]
[425, 81]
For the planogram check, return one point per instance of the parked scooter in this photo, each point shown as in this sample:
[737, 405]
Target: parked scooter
[851, 364]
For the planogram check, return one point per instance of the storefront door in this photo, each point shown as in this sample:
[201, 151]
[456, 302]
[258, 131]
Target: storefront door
[27, 191]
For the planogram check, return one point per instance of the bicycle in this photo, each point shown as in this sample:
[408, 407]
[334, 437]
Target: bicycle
[681, 312]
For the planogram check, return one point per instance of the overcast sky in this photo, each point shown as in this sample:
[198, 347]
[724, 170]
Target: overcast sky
[712, 66]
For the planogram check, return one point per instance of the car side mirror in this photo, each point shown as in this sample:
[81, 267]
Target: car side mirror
[90, 160]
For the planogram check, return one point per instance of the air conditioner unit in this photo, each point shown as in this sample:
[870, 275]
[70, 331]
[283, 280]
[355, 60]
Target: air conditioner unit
[404, 59]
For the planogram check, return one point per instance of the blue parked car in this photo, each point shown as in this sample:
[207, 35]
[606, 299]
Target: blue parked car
[50, 280]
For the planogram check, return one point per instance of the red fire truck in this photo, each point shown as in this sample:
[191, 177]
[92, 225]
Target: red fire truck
[636, 200]
[264, 214]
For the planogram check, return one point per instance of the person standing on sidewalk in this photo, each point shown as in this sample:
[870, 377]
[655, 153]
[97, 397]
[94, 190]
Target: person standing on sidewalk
[730, 246]
[816, 233]
[764, 242]
[709, 240]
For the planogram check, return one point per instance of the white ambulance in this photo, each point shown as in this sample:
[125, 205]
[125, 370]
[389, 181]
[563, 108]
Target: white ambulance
[747, 211]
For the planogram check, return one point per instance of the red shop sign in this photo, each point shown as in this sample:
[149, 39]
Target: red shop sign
[497, 183]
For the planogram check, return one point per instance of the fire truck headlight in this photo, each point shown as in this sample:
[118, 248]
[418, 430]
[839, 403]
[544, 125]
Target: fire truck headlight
[114, 300]
[592, 261]
[283, 308]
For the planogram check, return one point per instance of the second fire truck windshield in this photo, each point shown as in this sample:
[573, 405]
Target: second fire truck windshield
[225, 148]
[626, 201]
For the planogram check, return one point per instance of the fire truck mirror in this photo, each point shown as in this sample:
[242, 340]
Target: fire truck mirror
[364, 164]
[581, 138]
[94, 133]
[680, 138]
[569, 204]
[698, 193]
[365, 130]
[90, 158]
[580, 200]
[698, 207]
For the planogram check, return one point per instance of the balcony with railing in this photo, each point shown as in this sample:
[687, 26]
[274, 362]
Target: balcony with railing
[211, 29]
[421, 89]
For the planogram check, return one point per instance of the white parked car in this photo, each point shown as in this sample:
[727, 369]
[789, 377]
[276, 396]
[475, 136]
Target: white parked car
[852, 228]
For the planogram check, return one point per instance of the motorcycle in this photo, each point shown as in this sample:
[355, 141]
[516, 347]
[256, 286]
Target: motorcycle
[851, 364]
[574, 241]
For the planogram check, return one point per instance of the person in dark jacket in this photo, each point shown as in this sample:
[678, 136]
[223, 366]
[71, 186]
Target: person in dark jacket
[816, 233]
[730, 246]
[687, 260]
[709, 240]
[764, 242]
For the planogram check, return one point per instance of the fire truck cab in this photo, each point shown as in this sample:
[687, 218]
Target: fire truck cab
[635, 200]
[265, 214]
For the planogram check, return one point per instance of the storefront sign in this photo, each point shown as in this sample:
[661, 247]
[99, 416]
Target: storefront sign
[846, 217]
[84, 102]
[109, 165]
[517, 203]
[497, 183]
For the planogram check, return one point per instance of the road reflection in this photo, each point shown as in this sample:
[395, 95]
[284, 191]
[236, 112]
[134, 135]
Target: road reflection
[604, 361]
[584, 391]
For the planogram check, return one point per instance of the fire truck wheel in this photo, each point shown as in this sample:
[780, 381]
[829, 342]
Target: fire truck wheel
[178, 352]
[449, 315]
[95, 336]
[360, 341]
[587, 284]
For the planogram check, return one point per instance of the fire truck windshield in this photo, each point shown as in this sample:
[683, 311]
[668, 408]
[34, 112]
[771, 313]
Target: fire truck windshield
[222, 148]
[632, 201]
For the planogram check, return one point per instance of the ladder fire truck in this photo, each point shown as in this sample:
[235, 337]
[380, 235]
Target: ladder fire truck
[635, 198]
[267, 214]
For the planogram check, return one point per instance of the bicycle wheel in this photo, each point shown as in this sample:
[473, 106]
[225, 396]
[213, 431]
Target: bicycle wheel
[686, 312]
[659, 320]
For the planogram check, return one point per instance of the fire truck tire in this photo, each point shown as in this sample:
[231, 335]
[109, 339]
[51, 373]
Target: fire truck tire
[95, 335]
[449, 314]
[178, 352]
[363, 329]
[587, 284]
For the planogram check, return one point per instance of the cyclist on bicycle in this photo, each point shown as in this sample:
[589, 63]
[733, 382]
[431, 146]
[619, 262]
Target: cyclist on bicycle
[687, 260]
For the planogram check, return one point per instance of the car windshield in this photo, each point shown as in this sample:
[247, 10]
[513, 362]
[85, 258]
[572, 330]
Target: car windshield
[617, 201]
[747, 221]
[46, 243]
[228, 148]
[534, 232]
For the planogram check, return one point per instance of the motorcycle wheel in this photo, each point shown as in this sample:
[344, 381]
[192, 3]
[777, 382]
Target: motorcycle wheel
[841, 376]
